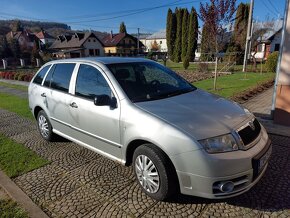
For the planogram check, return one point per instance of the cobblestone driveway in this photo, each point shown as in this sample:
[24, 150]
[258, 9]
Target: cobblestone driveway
[80, 183]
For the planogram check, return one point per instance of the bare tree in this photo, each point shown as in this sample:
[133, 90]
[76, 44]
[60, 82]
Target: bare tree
[217, 15]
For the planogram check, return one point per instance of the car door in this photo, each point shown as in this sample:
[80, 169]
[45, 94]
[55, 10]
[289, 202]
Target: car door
[57, 97]
[96, 126]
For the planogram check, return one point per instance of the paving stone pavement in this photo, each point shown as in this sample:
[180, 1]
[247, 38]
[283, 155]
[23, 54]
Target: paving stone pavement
[81, 183]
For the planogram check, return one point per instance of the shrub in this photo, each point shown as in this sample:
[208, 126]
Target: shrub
[271, 62]
[203, 67]
[186, 63]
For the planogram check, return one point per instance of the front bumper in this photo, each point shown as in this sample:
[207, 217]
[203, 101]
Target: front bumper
[208, 170]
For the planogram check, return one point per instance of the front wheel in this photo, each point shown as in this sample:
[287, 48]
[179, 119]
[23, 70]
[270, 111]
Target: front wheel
[44, 126]
[154, 178]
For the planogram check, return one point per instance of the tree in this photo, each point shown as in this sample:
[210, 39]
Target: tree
[171, 27]
[177, 50]
[184, 39]
[15, 48]
[237, 45]
[168, 31]
[216, 15]
[192, 35]
[35, 52]
[155, 46]
[240, 27]
[15, 26]
[122, 28]
[4, 48]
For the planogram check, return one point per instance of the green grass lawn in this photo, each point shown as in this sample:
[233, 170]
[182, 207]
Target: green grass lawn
[19, 87]
[230, 85]
[15, 104]
[211, 66]
[15, 159]
[9, 208]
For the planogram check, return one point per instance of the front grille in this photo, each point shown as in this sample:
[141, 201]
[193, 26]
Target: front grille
[249, 134]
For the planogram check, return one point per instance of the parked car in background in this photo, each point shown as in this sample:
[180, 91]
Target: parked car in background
[135, 111]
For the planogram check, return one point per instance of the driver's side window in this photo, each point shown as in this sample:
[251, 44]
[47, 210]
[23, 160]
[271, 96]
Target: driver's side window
[90, 82]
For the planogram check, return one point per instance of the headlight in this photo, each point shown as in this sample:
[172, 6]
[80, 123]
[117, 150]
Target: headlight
[219, 144]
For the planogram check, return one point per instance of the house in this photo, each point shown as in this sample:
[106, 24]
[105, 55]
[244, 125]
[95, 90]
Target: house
[121, 44]
[158, 40]
[45, 38]
[79, 44]
[270, 40]
[25, 38]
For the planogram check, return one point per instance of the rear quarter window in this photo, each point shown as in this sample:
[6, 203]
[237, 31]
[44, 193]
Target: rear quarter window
[61, 76]
[40, 75]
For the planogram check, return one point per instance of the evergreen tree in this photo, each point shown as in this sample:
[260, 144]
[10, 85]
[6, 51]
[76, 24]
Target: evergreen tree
[168, 32]
[4, 48]
[177, 48]
[15, 48]
[240, 27]
[171, 32]
[184, 40]
[122, 28]
[192, 35]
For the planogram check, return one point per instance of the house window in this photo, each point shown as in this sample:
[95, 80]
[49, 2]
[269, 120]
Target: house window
[277, 47]
[260, 48]
[89, 40]
[91, 52]
[94, 40]
[160, 42]
[97, 52]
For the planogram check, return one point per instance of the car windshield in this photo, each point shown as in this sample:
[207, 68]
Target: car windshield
[147, 81]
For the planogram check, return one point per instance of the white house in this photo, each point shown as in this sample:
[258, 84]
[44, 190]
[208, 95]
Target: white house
[159, 38]
[270, 40]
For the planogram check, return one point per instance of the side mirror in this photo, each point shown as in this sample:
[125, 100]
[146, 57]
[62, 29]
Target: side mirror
[105, 100]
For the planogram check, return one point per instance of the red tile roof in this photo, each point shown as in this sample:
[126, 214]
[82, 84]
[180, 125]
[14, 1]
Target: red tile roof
[43, 35]
[113, 39]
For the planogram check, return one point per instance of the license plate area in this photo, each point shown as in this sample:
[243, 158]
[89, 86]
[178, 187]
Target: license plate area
[260, 161]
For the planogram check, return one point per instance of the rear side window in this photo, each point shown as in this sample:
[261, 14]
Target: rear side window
[61, 77]
[39, 77]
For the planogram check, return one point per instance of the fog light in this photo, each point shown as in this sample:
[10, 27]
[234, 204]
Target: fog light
[227, 186]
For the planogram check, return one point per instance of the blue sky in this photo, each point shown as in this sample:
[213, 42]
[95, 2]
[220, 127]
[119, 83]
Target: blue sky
[98, 14]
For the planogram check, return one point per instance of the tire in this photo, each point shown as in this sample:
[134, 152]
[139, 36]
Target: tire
[159, 180]
[44, 126]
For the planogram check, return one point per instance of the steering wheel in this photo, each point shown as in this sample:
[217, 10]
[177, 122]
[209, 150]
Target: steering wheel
[154, 82]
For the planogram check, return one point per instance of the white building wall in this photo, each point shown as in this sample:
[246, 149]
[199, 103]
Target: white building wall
[93, 43]
[161, 42]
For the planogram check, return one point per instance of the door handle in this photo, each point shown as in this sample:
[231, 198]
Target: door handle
[73, 104]
[43, 95]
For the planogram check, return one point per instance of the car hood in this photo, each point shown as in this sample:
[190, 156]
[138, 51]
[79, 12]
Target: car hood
[199, 113]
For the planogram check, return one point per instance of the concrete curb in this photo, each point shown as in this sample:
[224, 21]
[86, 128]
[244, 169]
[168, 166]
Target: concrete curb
[15, 82]
[275, 129]
[20, 197]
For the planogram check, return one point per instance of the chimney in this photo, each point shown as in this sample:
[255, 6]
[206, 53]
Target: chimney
[111, 34]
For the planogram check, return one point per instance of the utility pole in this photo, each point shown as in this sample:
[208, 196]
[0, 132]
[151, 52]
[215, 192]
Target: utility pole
[138, 40]
[249, 36]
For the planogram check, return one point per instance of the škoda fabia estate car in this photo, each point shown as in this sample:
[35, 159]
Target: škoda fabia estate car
[135, 111]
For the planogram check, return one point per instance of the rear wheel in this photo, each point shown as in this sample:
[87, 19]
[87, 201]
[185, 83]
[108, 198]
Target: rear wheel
[155, 179]
[44, 126]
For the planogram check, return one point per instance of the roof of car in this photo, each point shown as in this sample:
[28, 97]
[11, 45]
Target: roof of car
[103, 60]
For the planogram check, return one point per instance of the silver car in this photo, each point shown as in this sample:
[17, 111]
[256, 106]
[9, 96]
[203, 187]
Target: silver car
[135, 111]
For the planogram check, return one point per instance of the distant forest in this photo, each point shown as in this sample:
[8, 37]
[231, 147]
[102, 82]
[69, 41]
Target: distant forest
[52, 28]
